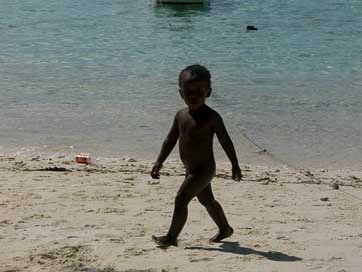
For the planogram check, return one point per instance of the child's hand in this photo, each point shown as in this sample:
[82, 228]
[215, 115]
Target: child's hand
[155, 173]
[236, 172]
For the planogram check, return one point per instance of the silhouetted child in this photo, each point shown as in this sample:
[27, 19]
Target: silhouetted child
[194, 127]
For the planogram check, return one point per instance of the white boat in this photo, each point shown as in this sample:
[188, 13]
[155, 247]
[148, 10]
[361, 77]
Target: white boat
[181, 1]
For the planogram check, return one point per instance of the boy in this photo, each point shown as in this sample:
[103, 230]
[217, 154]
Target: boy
[194, 127]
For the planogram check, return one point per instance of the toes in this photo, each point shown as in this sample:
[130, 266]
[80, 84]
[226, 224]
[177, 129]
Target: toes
[163, 241]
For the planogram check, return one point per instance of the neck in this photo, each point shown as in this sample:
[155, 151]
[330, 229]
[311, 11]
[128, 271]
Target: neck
[199, 109]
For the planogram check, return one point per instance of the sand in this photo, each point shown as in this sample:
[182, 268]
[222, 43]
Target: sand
[56, 215]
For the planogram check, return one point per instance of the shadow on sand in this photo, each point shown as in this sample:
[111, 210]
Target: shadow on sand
[235, 248]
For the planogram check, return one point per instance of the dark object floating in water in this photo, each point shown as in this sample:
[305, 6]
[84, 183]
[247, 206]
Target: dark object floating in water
[250, 27]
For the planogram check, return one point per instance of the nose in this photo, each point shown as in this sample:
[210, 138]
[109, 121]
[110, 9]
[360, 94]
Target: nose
[193, 96]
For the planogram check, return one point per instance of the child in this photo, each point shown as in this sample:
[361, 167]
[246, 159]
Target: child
[194, 127]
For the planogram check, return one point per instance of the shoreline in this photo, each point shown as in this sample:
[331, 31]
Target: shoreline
[266, 170]
[248, 151]
[252, 156]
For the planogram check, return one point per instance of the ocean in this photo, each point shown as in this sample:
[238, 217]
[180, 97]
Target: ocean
[101, 76]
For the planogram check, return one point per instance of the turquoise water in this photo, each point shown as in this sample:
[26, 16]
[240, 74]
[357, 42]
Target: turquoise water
[101, 76]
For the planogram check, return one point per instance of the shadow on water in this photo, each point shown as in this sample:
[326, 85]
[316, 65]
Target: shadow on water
[185, 10]
[235, 248]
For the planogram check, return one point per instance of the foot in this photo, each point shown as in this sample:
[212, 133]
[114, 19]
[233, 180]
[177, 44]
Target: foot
[222, 234]
[163, 241]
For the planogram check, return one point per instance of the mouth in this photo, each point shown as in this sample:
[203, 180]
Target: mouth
[193, 102]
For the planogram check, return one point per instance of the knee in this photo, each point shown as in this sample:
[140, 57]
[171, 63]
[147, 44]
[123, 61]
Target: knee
[181, 200]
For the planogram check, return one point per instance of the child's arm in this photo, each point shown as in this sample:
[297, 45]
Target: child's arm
[167, 146]
[228, 147]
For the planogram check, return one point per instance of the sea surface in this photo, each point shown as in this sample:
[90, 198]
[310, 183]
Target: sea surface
[101, 76]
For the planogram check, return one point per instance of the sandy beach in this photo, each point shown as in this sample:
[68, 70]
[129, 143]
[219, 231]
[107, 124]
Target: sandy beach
[57, 215]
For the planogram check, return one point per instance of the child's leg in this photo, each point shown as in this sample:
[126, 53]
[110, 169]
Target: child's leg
[192, 186]
[216, 212]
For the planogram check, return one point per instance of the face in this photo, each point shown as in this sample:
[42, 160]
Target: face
[194, 93]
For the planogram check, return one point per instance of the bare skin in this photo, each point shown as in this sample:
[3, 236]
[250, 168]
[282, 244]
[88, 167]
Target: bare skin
[195, 127]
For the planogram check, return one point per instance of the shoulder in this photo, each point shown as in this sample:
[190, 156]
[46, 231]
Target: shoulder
[216, 121]
[182, 111]
[179, 114]
[214, 115]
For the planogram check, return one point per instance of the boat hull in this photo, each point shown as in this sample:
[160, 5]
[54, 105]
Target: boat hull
[181, 1]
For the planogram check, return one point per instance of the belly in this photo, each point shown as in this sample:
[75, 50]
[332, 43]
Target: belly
[196, 155]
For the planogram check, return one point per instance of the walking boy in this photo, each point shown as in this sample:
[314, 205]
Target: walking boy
[194, 127]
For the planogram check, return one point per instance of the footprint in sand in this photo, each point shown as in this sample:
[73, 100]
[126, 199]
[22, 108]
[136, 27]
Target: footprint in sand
[5, 223]
[11, 270]
[116, 240]
[61, 255]
[128, 252]
[111, 210]
[203, 259]
[36, 216]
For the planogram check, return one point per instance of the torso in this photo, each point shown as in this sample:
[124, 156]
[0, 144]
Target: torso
[196, 138]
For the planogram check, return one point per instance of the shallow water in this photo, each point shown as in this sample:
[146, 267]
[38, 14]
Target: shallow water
[101, 76]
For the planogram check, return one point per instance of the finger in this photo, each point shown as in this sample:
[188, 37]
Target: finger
[155, 175]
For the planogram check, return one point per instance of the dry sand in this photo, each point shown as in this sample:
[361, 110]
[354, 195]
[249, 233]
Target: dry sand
[59, 216]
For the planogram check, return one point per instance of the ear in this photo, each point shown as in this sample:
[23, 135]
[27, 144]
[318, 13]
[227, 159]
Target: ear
[209, 93]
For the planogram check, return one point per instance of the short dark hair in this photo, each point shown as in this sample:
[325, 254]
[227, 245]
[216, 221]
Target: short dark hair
[197, 73]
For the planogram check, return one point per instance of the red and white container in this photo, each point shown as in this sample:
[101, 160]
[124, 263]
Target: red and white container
[83, 158]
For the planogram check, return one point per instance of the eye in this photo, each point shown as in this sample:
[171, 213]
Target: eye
[187, 92]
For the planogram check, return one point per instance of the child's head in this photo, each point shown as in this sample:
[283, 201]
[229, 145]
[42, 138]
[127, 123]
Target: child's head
[195, 85]
[194, 72]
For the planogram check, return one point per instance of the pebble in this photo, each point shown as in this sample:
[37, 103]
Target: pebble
[131, 160]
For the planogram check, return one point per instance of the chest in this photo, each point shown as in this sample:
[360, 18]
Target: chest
[196, 128]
